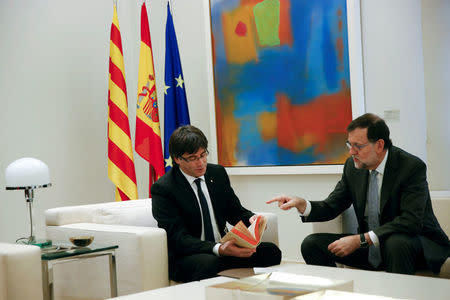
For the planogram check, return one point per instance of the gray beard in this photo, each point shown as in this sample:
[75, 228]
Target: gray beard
[363, 165]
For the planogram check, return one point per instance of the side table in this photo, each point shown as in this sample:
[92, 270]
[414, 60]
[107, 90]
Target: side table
[61, 253]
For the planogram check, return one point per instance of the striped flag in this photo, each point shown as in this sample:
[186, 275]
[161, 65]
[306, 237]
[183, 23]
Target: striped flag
[120, 153]
[176, 111]
[148, 133]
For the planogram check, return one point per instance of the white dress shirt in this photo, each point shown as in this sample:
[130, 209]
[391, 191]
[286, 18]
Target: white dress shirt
[193, 185]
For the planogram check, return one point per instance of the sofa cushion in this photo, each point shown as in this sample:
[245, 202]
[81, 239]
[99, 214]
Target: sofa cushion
[133, 215]
[132, 212]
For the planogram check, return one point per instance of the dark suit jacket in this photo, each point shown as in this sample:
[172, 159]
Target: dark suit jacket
[176, 208]
[405, 204]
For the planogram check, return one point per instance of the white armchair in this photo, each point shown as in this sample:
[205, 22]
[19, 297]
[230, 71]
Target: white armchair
[20, 272]
[142, 262]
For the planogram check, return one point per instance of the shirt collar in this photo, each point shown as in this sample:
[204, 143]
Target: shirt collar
[190, 178]
[382, 165]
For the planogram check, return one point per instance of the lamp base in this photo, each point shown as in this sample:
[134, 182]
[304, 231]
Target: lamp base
[36, 242]
[42, 243]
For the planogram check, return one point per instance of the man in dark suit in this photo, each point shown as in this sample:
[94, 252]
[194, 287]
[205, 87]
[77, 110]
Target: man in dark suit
[192, 202]
[398, 231]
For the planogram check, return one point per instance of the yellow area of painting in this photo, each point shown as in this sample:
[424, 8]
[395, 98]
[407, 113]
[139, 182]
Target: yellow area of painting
[239, 49]
[227, 132]
[267, 123]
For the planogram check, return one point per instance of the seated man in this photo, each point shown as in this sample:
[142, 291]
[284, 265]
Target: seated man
[398, 231]
[192, 202]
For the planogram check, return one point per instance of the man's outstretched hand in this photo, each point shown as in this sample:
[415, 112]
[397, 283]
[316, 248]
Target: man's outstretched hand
[288, 202]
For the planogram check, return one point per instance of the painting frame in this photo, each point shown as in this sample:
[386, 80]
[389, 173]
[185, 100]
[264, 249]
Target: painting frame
[356, 86]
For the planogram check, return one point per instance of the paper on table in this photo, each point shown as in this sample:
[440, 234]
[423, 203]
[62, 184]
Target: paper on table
[258, 270]
[281, 283]
[340, 295]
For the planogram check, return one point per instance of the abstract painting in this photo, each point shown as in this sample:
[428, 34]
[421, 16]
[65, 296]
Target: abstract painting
[281, 81]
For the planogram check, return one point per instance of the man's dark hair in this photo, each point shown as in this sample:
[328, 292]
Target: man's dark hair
[186, 139]
[376, 128]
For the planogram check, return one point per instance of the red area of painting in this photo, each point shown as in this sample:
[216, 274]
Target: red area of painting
[241, 29]
[285, 30]
[250, 2]
[313, 123]
[213, 42]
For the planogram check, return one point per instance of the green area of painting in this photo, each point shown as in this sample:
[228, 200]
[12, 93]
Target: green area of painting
[267, 20]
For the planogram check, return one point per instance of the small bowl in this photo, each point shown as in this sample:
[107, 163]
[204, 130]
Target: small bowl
[81, 241]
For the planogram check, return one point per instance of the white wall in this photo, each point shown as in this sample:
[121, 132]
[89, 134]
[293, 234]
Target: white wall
[436, 45]
[393, 68]
[53, 91]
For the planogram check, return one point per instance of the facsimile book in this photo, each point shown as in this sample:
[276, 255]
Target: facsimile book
[247, 237]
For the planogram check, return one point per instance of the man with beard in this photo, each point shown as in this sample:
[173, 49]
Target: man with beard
[397, 229]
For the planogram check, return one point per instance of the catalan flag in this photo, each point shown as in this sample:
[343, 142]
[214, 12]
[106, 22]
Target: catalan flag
[176, 111]
[120, 153]
[148, 133]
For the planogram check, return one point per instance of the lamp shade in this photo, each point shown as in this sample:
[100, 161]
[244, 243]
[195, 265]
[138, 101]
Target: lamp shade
[26, 173]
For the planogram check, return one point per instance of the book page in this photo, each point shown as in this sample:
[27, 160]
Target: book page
[247, 237]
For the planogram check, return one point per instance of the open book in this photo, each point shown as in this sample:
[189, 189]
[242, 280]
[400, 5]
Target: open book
[247, 237]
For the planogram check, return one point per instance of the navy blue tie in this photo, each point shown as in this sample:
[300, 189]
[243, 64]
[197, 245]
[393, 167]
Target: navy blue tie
[209, 234]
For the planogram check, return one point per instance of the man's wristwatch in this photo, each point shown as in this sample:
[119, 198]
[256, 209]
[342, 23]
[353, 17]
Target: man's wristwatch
[363, 243]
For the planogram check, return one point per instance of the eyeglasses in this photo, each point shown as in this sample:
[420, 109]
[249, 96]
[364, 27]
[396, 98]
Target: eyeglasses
[355, 146]
[195, 158]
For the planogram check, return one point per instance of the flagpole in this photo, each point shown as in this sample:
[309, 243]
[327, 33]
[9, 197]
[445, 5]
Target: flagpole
[171, 7]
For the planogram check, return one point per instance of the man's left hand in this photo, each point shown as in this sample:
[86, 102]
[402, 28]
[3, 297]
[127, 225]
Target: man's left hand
[345, 245]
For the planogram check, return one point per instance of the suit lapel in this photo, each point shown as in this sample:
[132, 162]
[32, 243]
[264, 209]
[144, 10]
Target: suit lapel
[390, 173]
[184, 184]
[361, 194]
[210, 184]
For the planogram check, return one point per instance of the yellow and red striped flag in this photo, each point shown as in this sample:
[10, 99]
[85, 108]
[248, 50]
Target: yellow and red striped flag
[148, 133]
[120, 153]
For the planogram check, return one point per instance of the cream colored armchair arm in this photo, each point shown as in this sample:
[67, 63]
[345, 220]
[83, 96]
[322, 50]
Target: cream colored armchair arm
[141, 260]
[271, 233]
[20, 272]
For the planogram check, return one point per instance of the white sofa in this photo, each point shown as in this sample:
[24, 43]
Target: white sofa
[20, 272]
[346, 222]
[142, 262]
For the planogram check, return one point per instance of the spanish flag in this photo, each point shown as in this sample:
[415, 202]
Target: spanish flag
[148, 133]
[120, 153]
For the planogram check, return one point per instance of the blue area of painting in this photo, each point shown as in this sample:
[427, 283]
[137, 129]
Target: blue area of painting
[329, 58]
[253, 103]
[269, 154]
[306, 70]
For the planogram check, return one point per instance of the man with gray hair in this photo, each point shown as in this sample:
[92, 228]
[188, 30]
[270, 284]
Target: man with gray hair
[397, 229]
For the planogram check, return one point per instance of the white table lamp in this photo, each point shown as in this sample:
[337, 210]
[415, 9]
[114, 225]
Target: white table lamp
[28, 174]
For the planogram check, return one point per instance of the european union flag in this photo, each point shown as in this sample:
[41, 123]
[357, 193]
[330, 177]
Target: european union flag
[176, 111]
